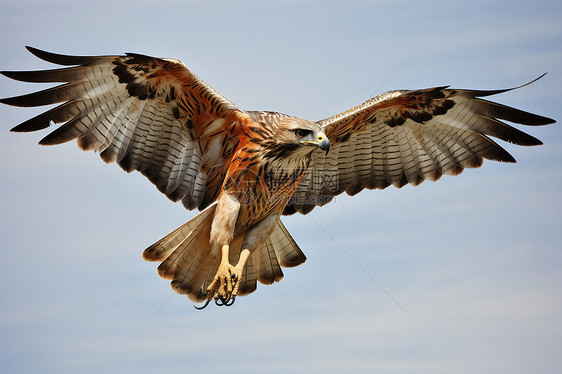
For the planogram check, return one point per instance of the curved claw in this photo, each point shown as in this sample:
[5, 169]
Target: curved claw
[202, 291]
[219, 301]
[230, 301]
[204, 305]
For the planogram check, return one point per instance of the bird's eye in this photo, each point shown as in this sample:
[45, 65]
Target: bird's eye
[302, 133]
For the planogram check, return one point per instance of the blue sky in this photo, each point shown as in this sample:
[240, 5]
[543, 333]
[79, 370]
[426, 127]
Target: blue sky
[475, 259]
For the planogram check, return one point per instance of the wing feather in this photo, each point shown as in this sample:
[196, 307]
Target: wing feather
[405, 137]
[144, 113]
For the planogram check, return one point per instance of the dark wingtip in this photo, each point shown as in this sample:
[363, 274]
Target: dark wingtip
[22, 127]
[44, 55]
[484, 93]
[137, 58]
[59, 59]
[33, 50]
[541, 120]
[510, 159]
[6, 73]
[528, 83]
[14, 101]
[531, 82]
[40, 122]
[548, 121]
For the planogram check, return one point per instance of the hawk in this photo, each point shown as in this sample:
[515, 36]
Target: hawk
[245, 169]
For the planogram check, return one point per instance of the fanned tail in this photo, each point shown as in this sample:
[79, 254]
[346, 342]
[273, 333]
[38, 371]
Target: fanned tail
[278, 250]
[186, 257]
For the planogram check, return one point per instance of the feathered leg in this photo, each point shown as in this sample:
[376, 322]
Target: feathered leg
[226, 282]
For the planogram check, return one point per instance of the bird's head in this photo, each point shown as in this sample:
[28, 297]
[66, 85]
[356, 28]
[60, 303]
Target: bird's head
[311, 135]
[300, 136]
[281, 135]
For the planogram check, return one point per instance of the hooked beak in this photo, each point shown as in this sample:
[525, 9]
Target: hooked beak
[323, 143]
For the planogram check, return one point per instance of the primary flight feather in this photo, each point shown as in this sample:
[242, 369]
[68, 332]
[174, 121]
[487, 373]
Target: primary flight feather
[244, 169]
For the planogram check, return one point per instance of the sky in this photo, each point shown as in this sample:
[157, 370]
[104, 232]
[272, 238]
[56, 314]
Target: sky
[459, 276]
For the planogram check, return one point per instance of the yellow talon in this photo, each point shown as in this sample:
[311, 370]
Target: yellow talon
[226, 282]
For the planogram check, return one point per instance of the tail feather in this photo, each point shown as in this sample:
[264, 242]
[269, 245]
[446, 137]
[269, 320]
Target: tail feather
[268, 269]
[160, 250]
[188, 282]
[287, 250]
[188, 262]
[249, 279]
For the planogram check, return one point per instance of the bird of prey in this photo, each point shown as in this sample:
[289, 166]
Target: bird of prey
[245, 169]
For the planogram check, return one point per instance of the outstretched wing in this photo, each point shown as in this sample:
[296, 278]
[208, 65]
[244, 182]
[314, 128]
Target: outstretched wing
[405, 137]
[147, 114]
